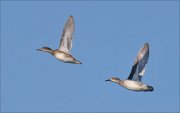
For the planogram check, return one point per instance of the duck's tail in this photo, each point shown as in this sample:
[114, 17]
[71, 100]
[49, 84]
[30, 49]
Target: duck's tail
[77, 62]
[149, 88]
[45, 49]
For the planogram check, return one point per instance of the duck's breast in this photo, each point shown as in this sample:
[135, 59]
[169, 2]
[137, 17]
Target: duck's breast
[59, 56]
[63, 57]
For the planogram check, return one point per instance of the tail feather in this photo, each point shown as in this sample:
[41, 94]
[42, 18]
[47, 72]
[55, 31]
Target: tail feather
[78, 62]
[150, 88]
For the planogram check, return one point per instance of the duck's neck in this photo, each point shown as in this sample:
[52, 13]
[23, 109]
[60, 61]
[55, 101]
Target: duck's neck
[120, 82]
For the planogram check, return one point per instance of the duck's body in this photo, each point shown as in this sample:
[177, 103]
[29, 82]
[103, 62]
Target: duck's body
[65, 57]
[63, 52]
[135, 85]
[61, 55]
[133, 82]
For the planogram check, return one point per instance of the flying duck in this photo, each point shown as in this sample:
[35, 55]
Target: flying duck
[63, 52]
[133, 82]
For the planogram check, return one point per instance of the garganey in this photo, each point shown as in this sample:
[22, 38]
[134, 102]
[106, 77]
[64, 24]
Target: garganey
[63, 52]
[133, 82]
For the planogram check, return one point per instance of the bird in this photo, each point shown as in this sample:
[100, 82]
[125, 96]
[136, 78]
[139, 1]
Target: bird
[63, 52]
[133, 82]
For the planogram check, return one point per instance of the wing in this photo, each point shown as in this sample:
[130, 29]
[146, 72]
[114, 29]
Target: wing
[141, 60]
[66, 39]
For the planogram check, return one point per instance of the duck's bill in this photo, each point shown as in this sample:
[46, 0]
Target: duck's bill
[108, 80]
[39, 49]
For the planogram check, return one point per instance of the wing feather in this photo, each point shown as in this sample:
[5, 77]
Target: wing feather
[67, 36]
[141, 60]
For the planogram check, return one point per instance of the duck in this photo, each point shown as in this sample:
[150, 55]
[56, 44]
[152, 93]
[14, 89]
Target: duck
[134, 82]
[63, 52]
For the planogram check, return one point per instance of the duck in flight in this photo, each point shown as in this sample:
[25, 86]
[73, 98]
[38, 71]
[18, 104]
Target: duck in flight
[63, 52]
[133, 82]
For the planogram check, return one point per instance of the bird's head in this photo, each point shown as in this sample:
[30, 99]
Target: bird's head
[45, 49]
[113, 79]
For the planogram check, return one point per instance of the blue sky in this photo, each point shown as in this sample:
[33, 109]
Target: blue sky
[108, 35]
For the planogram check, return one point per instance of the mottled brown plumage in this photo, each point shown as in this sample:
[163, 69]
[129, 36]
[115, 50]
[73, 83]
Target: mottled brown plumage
[63, 52]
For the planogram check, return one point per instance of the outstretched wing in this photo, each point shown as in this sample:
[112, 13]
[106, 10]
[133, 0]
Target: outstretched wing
[66, 39]
[141, 60]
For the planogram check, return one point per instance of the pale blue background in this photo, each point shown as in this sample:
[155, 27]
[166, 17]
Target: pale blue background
[107, 37]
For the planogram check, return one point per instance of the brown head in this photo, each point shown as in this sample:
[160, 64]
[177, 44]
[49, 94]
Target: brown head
[114, 79]
[45, 49]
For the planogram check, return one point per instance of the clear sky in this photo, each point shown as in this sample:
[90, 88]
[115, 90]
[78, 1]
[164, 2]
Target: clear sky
[108, 35]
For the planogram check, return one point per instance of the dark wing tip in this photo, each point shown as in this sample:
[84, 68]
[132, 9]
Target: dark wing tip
[146, 45]
[70, 21]
[71, 17]
[145, 49]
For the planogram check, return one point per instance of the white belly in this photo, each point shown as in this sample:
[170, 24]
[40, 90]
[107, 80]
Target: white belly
[62, 57]
[133, 85]
[59, 56]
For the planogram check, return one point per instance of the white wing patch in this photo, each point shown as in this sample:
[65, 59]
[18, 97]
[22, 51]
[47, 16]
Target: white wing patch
[142, 72]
